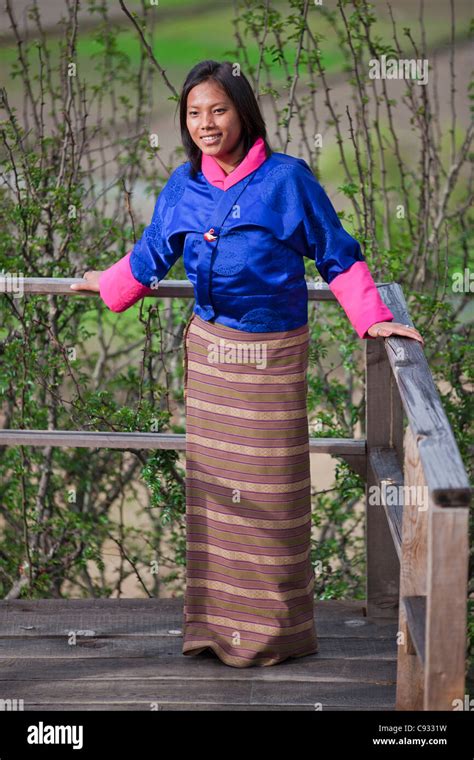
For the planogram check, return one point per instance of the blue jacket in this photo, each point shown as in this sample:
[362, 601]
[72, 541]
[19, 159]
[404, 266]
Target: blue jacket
[248, 272]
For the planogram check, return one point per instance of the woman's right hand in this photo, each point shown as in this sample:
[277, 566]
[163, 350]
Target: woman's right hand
[90, 281]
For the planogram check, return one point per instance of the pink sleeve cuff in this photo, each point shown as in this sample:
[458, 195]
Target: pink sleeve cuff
[357, 293]
[118, 287]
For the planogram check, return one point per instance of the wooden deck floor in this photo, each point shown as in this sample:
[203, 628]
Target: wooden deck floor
[129, 658]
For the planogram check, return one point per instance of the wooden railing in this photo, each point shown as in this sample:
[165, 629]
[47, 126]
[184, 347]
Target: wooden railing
[417, 499]
[428, 523]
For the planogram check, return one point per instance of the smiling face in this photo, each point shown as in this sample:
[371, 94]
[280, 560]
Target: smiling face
[211, 114]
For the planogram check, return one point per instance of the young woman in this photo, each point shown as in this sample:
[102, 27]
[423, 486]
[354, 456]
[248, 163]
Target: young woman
[244, 217]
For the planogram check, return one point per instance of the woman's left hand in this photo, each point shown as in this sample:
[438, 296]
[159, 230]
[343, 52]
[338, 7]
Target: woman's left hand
[385, 329]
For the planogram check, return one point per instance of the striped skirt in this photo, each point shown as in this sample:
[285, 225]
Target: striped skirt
[249, 578]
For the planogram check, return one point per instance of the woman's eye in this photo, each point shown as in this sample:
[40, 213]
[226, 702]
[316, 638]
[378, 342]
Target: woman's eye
[216, 110]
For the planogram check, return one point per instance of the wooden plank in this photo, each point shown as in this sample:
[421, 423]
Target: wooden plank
[413, 568]
[317, 291]
[134, 661]
[446, 613]
[59, 286]
[333, 646]
[442, 464]
[170, 609]
[162, 692]
[312, 668]
[177, 441]
[415, 607]
[389, 486]
[384, 421]
[160, 618]
[92, 439]
[222, 707]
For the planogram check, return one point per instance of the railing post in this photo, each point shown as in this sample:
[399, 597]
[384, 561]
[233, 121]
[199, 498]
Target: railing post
[446, 608]
[384, 429]
[413, 570]
[433, 582]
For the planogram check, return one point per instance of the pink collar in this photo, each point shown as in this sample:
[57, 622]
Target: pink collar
[217, 176]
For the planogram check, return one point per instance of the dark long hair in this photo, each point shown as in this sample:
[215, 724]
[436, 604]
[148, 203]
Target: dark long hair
[238, 89]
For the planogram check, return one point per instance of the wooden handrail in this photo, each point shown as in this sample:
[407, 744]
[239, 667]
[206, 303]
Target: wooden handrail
[434, 551]
[351, 447]
[448, 485]
[60, 286]
[418, 394]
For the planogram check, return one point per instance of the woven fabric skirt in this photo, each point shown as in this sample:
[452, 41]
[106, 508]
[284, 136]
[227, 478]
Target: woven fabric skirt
[249, 578]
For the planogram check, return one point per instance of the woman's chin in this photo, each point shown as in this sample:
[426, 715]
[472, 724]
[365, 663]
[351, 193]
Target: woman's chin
[212, 150]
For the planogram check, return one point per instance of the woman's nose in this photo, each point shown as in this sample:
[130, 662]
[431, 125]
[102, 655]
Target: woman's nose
[207, 122]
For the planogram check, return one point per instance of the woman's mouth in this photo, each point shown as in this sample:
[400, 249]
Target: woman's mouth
[211, 139]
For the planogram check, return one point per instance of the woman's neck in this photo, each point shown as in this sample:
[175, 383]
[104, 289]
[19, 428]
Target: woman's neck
[230, 162]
